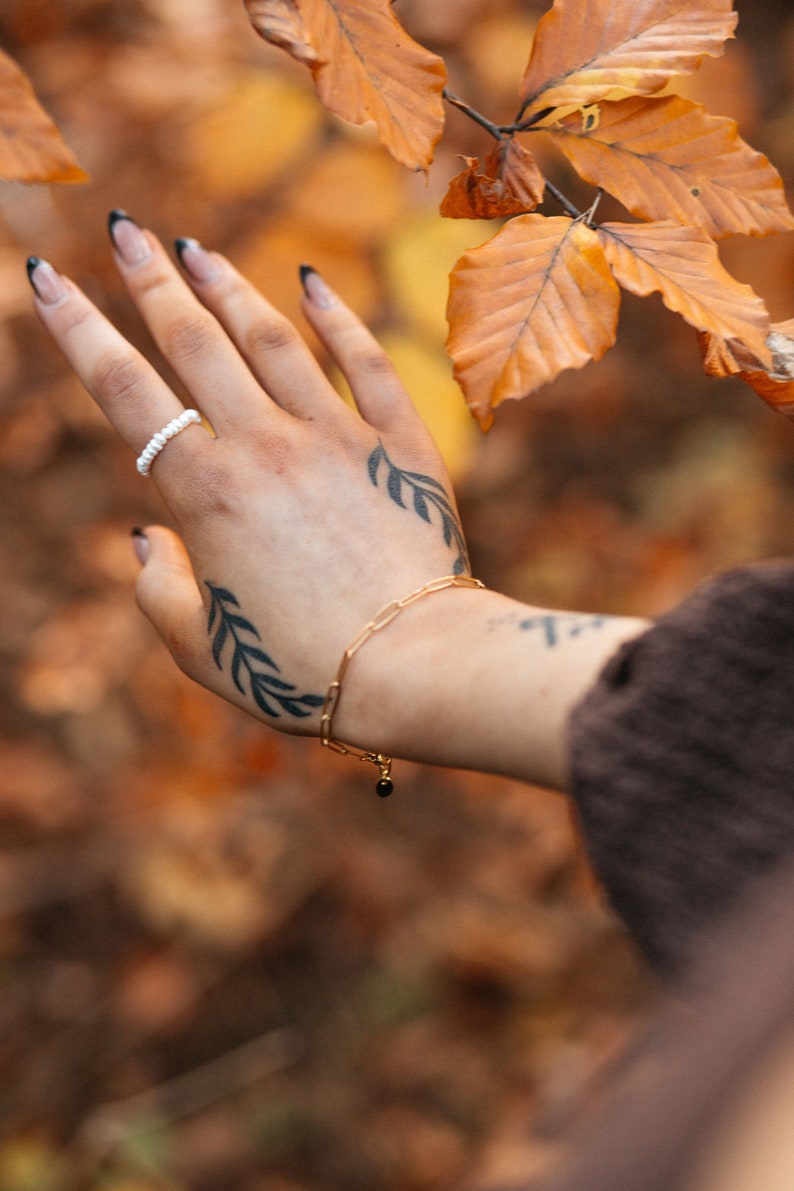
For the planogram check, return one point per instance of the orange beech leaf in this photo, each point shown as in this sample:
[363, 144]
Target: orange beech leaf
[775, 384]
[535, 299]
[669, 159]
[683, 265]
[31, 148]
[509, 183]
[585, 48]
[280, 23]
[365, 67]
[726, 357]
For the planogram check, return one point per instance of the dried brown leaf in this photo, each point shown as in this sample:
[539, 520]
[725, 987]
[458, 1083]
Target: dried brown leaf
[509, 183]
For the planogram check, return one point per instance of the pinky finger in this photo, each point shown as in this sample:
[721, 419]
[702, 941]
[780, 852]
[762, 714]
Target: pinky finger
[379, 394]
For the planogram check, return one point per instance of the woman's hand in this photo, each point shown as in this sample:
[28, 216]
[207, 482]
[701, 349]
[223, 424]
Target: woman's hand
[299, 517]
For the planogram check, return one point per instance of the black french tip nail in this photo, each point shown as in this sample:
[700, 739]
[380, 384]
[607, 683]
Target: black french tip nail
[140, 544]
[115, 216]
[32, 265]
[305, 271]
[181, 243]
[316, 289]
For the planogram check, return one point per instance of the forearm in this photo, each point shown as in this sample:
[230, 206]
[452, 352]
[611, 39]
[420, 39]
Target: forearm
[473, 679]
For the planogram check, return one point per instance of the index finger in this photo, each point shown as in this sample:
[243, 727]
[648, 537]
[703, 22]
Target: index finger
[136, 400]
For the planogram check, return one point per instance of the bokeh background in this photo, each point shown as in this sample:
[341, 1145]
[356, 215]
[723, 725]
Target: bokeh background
[224, 964]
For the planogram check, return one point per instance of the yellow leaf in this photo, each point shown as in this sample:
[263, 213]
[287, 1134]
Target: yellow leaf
[682, 264]
[499, 39]
[29, 1162]
[365, 67]
[536, 299]
[428, 378]
[352, 193]
[417, 262]
[669, 159]
[270, 257]
[252, 135]
[583, 49]
[31, 148]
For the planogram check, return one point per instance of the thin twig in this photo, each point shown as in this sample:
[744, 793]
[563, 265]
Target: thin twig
[473, 114]
[565, 203]
[589, 215]
[499, 133]
[520, 125]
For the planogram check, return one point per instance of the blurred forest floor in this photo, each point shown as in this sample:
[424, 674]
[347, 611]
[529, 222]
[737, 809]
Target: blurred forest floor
[224, 964]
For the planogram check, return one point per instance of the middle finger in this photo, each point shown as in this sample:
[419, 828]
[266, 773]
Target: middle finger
[190, 338]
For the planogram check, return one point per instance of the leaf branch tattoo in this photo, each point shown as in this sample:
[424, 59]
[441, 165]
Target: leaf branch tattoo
[425, 493]
[269, 692]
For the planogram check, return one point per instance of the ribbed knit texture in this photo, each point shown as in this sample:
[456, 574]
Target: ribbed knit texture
[683, 760]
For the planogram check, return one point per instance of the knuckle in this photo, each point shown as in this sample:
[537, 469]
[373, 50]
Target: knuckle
[268, 335]
[373, 362]
[188, 336]
[214, 493]
[153, 277]
[116, 377]
[74, 315]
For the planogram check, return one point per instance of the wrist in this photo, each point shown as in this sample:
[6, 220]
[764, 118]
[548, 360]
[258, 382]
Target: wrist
[403, 682]
[382, 621]
[465, 679]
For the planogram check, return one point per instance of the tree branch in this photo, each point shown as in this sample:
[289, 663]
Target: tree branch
[565, 203]
[473, 114]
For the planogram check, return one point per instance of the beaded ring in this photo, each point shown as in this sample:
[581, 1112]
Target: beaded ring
[159, 440]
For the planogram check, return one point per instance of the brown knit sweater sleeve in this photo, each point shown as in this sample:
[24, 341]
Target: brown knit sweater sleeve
[682, 760]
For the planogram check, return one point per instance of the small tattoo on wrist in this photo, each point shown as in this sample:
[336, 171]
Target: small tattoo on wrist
[426, 494]
[555, 627]
[271, 694]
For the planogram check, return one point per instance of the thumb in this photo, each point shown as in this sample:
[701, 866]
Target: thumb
[168, 595]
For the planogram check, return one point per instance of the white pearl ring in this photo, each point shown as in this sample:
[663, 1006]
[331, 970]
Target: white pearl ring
[159, 440]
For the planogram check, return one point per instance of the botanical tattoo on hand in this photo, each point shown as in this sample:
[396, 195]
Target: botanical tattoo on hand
[426, 494]
[555, 626]
[270, 693]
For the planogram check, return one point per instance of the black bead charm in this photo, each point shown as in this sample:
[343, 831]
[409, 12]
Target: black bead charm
[384, 787]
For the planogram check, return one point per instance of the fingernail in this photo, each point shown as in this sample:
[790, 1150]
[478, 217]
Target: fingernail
[140, 544]
[129, 238]
[195, 260]
[316, 288]
[48, 285]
